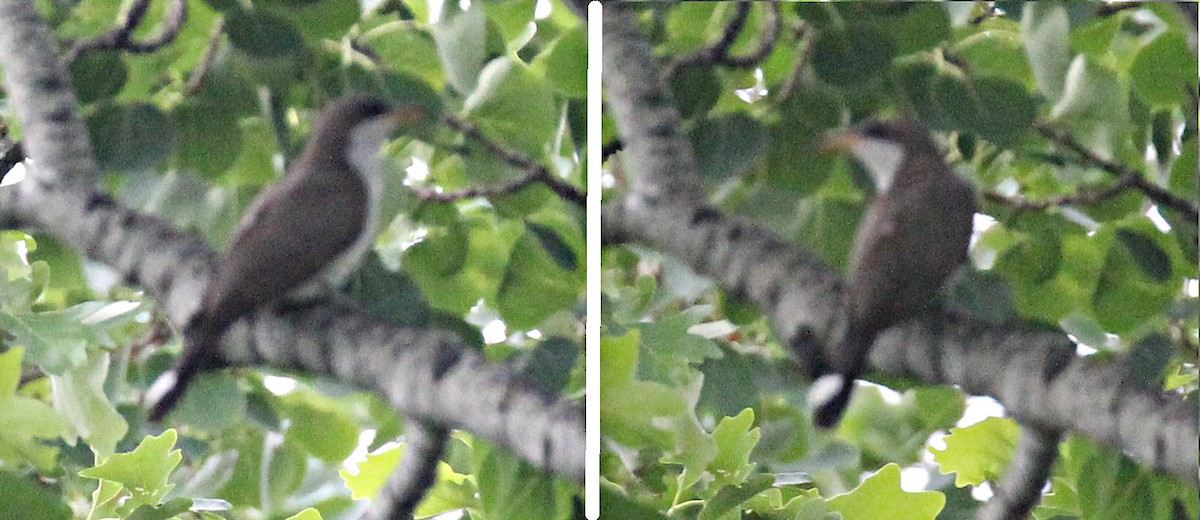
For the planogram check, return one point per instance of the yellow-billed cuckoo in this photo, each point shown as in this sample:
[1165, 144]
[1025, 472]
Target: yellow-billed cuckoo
[309, 230]
[914, 235]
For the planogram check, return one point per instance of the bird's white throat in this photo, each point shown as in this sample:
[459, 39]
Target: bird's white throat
[881, 158]
[365, 156]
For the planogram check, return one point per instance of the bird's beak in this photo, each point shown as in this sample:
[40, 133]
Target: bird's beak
[407, 116]
[839, 141]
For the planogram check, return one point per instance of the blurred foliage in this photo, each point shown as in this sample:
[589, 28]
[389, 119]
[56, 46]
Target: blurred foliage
[701, 416]
[190, 132]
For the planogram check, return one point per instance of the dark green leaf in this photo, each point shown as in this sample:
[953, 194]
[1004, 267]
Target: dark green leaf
[533, 287]
[559, 251]
[566, 64]
[211, 138]
[728, 145]
[549, 364]
[131, 137]
[984, 295]
[1153, 261]
[1148, 359]
[24, 499]
[263, 35]
[98, 74]
[1164, 71]
[696, 90]
[853, 57]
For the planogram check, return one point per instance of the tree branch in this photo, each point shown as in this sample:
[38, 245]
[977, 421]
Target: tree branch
[718, 52]
[121, 36]
[1125, 174]
[534, 173]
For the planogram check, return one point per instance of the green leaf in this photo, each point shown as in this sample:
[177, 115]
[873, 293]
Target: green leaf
[511, 488]
[210, 136]
[261, 34]
[79, 398]
[98, 74]
[514, 106]
[131, 137]
[1092, 92]
[979, 452]
[29, 421]
[24, 499]
[405, 46]
[142, 472]
[635, 412]
[1165, 71]
[1046, 31]
[728, 145]
[730, 497]
[562, 254]
[534, 287]
[879, 497]
[997, 51]
[549, 364]
[306, 514]
[1124, 296]
[696, 90]
[986, 296]
[735, 439]
[853, 57]
[322, 426]
[460, 46]
[565, 64]
[1152, 260]
[212, 402]
[669, 350]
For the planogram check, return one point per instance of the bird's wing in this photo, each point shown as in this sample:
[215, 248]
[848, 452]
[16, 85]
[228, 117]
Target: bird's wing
[282, 244]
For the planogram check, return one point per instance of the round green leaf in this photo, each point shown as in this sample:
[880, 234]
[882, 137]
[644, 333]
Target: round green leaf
[534, 287]
[728, 145]
[995, 53]
[696, 90]
[131, 137]
[263, 35]
[515, 106]
[211, 138]
[1006, 110]
[566, 64]
[852, 57]
[1164, 71]
[98, 74]
[403, 46]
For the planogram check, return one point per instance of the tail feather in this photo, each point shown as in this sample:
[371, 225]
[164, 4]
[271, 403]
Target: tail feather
[200, 353]
[855, 349]
[829, 413]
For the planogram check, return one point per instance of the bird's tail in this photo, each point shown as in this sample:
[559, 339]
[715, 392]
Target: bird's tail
[200, 353]
[855, 348]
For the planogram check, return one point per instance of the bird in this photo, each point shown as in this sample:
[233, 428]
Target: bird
[300, 236]
[915, 234]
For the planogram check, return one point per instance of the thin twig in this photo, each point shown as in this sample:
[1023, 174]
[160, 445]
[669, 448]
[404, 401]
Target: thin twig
[121, 36]
[806, 44]
[1137, 181]
[534, 172]
[210, 55]
[718, 51]
[1083, 198]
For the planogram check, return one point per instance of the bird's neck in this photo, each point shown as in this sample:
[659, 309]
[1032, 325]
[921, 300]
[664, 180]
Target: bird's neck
[882, 159]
